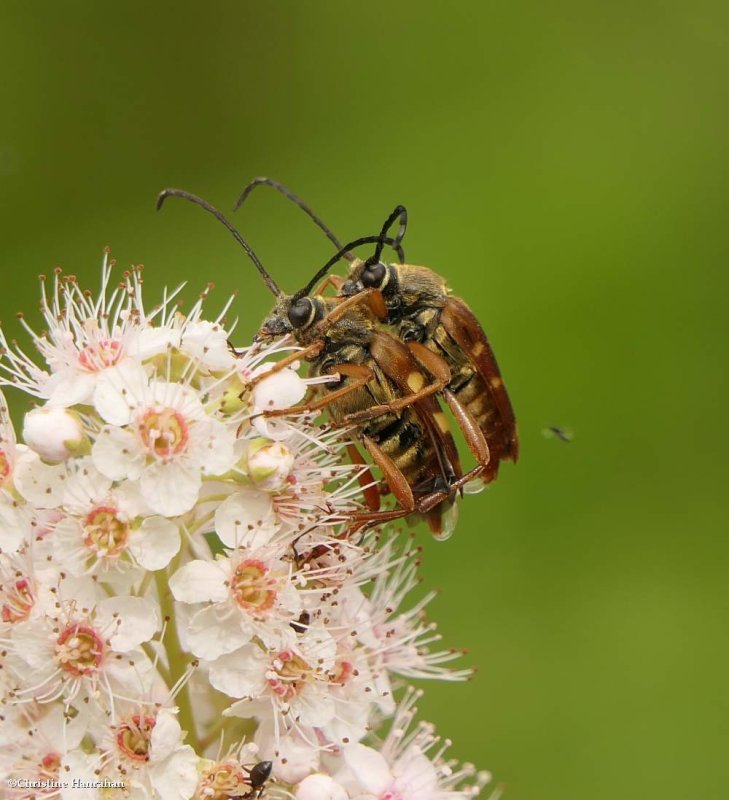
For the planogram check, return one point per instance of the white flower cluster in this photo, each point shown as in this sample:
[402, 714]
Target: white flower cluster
[180, 603]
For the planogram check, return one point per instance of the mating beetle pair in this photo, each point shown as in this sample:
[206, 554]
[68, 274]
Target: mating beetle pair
[398, 340]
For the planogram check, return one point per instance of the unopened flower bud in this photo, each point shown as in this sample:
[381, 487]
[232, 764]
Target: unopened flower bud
[280, 390]
[320, 787]
[269, 464]
[54, 433]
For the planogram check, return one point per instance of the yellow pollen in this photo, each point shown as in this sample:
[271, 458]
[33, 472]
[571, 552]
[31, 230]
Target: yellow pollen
[104, 532]
[251, 586]
[223, 781]
[164, 432]
[133, 738]
[291, 674]
[79, 650]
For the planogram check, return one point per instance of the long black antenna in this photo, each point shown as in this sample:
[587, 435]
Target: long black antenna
[297, 201]
[400, 213]
[336, 257]
[267, 279]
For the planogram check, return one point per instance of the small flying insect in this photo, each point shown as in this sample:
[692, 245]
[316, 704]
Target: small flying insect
[422, 310]
[385, 390]
[557, 432]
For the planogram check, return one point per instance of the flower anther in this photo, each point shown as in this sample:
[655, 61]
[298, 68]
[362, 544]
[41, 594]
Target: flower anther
[251, 587]
[79, 650]
[164, 432]
[104, 532]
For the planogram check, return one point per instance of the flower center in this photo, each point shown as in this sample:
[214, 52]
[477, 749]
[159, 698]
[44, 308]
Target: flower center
[104, 532]
[342, 672]
[290, 674]
[134, 737]
[223, 781]
[251, 588]
[49, 769]
[79, 649]
[19, 601]
[164, 432]
[105, 353]
[391, 794]
[4, 467]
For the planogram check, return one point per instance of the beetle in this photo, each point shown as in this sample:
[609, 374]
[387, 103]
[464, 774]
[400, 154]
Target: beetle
[384, 389]
[421, 309]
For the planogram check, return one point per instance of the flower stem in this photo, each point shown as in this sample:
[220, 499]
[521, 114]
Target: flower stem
[177, 658]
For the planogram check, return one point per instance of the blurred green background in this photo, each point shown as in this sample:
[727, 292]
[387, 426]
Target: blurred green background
[566, 166]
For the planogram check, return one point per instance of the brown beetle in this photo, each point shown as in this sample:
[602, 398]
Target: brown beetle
[386, 390]
[421, 309]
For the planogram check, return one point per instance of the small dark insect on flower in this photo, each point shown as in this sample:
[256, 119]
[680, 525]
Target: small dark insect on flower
[258, 776]
[557, 432]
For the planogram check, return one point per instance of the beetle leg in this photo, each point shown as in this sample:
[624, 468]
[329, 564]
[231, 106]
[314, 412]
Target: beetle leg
[311, 350]
[436, 366]
[370, 297]
[331, 280]
[394, 478]
[470, 428]
[365, 479]
[360, 375]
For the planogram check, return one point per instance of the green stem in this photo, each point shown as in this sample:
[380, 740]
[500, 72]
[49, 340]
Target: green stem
[177, 659]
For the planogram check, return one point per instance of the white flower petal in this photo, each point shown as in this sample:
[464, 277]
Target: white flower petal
[320, 787]
[85, 487]
[171, 489]
[219, 455]
[368, 768]
[246, 518]
[177, 777]
[293, 759]
[314, 707]
[415, 774]
[117, 454]
[208, 342]
[79, 766]
[119, 390]
[33, 645]
[155, 543]
[199, 581]
[69, 388]
[166, 736]
[68, 546]
[210, 637]
[14, 530]
[127, 621]
[240, 674]
[39, 483]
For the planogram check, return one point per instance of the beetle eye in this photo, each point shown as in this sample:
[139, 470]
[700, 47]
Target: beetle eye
[300, 312]
[373, 275]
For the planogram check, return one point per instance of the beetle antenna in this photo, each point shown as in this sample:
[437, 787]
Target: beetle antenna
[338, 256]
[297, 201]
[400, 213]
[267, 279]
